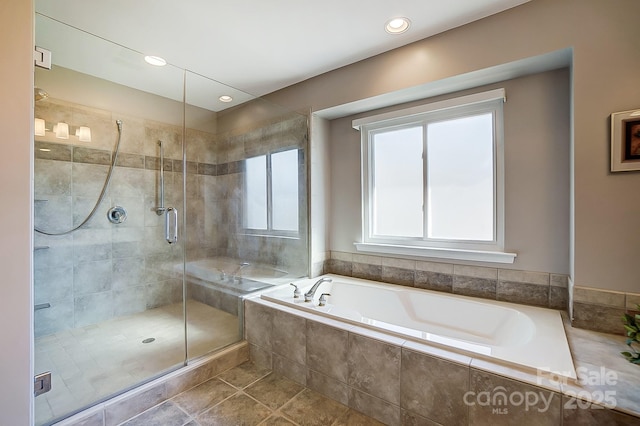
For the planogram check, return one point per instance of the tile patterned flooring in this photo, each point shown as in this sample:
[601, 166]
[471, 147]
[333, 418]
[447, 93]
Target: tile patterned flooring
[248, 395]
[93, 362]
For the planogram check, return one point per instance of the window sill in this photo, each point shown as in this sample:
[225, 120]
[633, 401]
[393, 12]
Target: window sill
[439, 253]
[265, 235]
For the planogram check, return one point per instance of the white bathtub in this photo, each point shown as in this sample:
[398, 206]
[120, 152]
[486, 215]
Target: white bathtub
[523, 335]
[219, 272]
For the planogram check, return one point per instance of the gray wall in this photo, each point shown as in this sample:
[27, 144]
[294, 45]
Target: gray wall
[536, 117]
[602, 36]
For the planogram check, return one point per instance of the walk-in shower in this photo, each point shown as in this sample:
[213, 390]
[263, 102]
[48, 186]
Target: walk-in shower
[115, 215]
[149, 239]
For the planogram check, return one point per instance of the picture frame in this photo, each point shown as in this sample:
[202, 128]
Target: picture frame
[625, 141]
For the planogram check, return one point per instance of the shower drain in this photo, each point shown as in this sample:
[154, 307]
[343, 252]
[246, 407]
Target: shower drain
[149, 340]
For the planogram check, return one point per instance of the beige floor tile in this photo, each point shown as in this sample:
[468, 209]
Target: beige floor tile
[237, 410]
[243, 375]
[95, 361]
[274, 390]
[309, 408]
[204, 396]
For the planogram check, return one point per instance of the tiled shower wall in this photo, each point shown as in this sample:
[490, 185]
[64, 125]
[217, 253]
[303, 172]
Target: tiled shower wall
[233, 147]
[105, 270]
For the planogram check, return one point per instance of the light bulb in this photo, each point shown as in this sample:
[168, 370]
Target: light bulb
[62, 131]
[38, 127]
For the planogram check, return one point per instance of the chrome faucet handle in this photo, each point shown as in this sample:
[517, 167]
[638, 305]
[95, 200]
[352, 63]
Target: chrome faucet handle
[296, 291]
[223, 275]
[323, 300]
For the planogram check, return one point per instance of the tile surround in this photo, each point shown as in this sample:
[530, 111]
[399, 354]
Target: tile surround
[602, 310]
[427, 385]
[241, 395]
[526, 287]
[594, 309]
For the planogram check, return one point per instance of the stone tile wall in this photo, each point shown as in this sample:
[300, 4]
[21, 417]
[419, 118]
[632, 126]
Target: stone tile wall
[399, 382]
[289, 132]
[602, 310]
[593, 309]
[525, 287]
[103, 270]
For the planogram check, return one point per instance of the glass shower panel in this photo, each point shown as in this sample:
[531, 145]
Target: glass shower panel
[109, 311]
[231, 150]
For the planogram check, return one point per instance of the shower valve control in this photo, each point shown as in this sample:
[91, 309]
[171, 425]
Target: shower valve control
[117, 214]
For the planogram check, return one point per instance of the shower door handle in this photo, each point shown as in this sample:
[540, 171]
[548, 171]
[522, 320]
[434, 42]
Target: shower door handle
[171, 237]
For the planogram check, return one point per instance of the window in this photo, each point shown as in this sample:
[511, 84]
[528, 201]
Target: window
[432, 180]
[271, 203]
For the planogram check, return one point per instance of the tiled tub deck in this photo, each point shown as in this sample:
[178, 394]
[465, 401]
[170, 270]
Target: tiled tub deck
[403, 382]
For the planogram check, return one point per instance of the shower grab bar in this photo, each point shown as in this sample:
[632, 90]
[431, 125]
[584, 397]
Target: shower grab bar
[161, 209]
[171, 237]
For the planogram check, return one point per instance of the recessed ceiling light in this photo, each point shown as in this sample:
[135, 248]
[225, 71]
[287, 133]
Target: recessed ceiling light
[397, 25]
[225, 98]
[155, 60]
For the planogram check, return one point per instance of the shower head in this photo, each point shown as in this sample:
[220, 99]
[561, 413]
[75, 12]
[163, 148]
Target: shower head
[39, 94]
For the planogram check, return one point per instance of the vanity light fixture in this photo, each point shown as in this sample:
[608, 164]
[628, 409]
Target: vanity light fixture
[62, 130]
[225, 98]
[155, 60]
[397, 25]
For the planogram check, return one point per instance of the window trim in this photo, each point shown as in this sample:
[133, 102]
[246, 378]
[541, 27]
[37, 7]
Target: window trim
[488, 251]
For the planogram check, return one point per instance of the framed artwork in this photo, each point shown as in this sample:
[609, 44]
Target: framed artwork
[625, 141]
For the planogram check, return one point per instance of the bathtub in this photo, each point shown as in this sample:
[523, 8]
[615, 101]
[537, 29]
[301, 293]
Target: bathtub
[218, 272]
[211, 280]
[525, 336]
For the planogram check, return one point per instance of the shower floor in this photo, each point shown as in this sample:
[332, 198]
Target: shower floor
[90, 363]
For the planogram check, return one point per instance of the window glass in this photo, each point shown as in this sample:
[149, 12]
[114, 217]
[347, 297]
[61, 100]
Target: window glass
[397, 182]
[460, 179]
[256, 192]
[284, 186]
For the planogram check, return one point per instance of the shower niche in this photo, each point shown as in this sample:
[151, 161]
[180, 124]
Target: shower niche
[120, 301]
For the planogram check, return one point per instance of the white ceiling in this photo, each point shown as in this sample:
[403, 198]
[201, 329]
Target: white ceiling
[255, 46]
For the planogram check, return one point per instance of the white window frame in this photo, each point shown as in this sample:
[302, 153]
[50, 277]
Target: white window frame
[485, 251]
[270, 232]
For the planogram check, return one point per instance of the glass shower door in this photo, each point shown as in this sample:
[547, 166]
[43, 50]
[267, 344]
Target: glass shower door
[109, 288]
[228, 257]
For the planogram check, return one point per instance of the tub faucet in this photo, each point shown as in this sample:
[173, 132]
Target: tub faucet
[308, 296]
[234, 277]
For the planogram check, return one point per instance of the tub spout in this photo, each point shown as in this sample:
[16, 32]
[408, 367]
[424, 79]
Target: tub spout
[308, 296]
[234, 277]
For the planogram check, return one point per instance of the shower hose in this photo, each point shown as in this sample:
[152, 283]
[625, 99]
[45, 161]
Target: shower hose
[114, 157]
